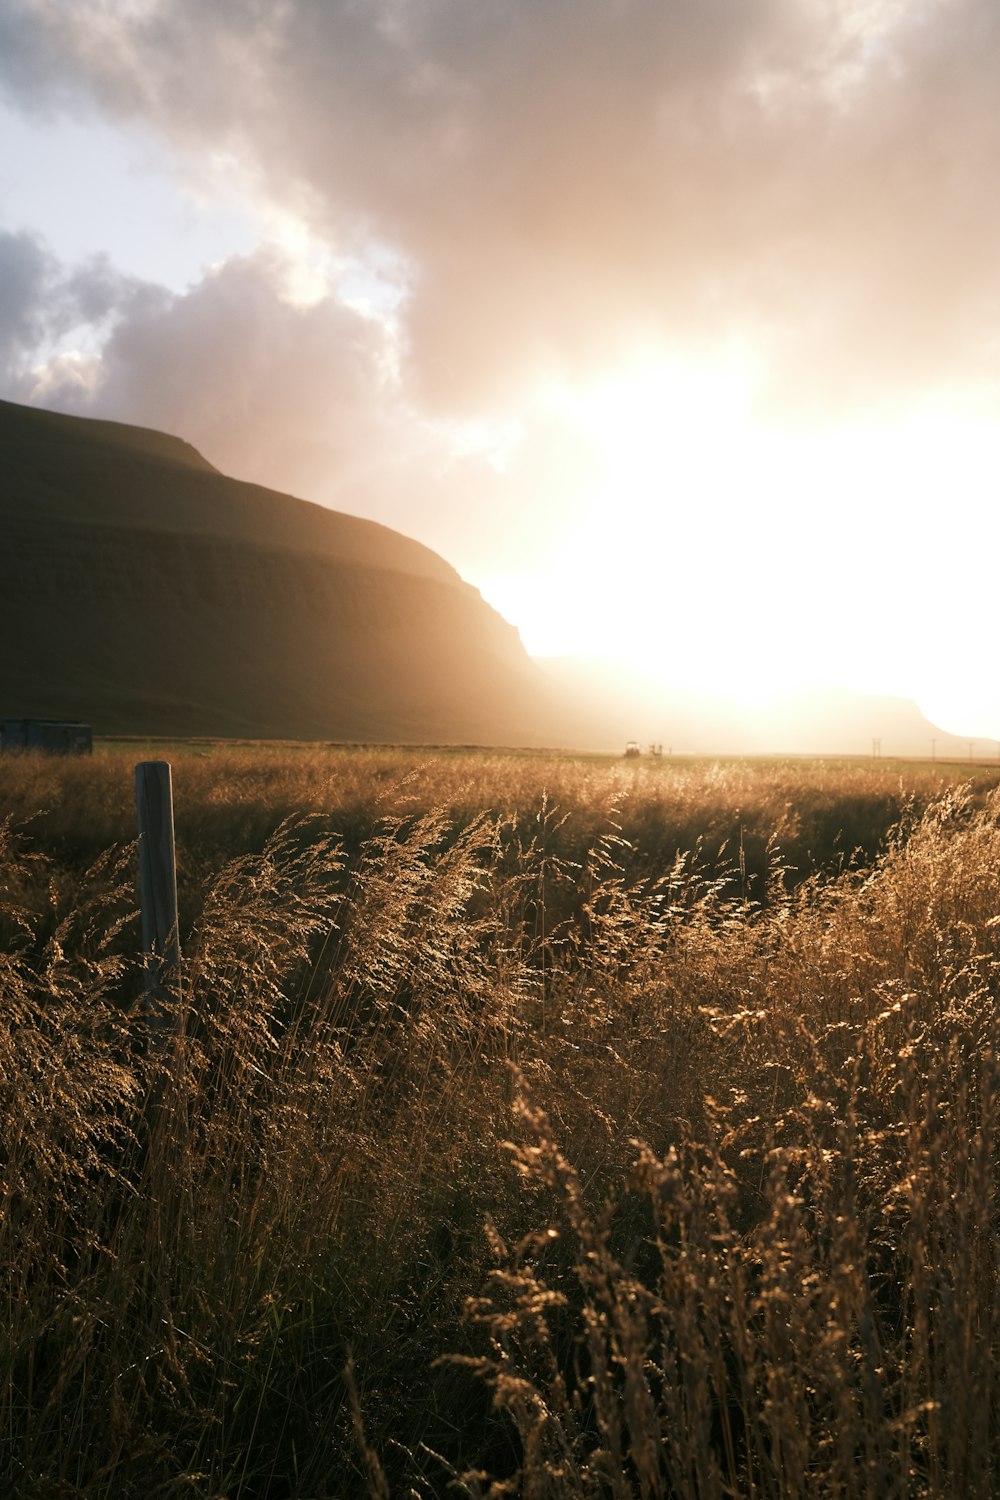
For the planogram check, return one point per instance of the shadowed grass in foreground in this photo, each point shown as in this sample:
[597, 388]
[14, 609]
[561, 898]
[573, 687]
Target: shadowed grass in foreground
[616, 1175]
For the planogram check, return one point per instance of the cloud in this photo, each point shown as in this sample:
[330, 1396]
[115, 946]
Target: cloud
[563, 178]
[303, 398]
[42, 301]
[25, 272]
[207, 363]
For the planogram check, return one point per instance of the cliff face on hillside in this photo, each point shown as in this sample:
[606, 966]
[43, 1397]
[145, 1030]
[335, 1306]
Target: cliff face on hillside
[146, 593]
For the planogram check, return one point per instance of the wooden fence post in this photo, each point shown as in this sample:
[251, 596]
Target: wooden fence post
[158, 895]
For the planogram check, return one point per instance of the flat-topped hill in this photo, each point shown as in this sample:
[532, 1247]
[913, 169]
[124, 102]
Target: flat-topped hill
[146, 592]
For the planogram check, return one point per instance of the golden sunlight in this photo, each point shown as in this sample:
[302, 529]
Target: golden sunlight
[716, 551]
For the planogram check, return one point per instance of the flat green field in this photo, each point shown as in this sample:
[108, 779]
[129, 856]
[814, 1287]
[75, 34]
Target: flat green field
[534, 1125]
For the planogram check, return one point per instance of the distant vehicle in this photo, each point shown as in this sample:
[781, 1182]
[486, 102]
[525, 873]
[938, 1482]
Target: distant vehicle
[632, 750]
[54, 736]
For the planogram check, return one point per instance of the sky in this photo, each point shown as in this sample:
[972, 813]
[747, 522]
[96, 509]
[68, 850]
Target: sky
[673, 324]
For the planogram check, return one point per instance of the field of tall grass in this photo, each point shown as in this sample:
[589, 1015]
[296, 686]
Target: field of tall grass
[538, 1127]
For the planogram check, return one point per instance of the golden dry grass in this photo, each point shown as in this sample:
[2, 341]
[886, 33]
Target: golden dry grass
[616, 1165]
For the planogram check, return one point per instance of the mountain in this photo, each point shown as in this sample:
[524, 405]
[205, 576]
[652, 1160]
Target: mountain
[145, 592]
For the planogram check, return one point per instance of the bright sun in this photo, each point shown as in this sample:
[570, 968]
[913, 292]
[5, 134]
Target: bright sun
[714, 551]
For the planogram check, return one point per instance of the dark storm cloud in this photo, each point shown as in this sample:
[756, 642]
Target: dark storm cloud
[25, 273]
[562, 176]
[41, 301]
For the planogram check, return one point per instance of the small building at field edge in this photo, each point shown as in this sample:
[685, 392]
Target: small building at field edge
[55, 736]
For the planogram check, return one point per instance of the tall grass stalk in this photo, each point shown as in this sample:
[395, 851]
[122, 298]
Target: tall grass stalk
[499, 1153]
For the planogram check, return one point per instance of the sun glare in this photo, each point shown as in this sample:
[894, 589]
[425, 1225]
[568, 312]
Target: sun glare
[713, 551]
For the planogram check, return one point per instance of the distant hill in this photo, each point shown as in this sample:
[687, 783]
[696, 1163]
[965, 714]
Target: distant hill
[822, 720]
[145, 592]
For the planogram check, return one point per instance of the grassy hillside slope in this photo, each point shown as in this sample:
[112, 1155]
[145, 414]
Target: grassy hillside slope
[142, 590]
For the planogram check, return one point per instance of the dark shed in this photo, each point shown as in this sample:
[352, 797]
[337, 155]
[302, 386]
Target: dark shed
[56, 736]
